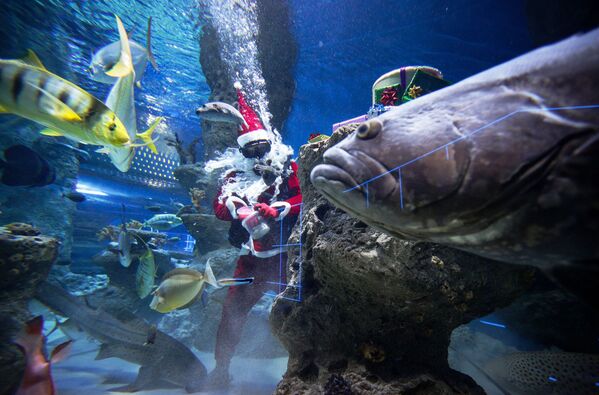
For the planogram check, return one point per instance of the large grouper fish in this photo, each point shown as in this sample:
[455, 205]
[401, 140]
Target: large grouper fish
[503, 164]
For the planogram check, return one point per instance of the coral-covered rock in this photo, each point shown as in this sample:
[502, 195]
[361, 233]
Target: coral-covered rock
[376, 309]
[76, 283]
[25, 260]
[43, 207]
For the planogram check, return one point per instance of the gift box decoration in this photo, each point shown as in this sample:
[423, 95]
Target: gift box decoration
[421, 84]
[389, 88]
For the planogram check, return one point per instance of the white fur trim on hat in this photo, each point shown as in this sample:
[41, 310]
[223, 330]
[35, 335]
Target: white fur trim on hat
[254, 135]
[237, 85]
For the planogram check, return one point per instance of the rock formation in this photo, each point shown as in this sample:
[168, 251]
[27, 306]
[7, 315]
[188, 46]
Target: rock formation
[25, 260]
[216, 137]
[377, 312]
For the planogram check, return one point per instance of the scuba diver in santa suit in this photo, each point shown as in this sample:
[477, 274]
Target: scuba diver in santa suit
[259, 191]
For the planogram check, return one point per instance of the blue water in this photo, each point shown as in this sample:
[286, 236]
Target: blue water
[344, 46]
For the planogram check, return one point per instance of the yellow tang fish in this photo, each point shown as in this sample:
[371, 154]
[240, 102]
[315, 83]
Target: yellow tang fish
[29, 90]
[179, 287]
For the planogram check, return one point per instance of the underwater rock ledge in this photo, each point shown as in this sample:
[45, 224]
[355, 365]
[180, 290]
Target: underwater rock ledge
[377, 312]
[26, 257]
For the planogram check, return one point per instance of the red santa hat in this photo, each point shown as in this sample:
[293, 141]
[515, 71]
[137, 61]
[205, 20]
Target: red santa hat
[253, 129]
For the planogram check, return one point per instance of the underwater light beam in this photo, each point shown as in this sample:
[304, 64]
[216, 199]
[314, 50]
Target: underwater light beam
[86, 189]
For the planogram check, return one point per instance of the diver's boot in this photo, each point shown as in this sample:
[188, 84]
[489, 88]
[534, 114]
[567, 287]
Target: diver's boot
[219, 378]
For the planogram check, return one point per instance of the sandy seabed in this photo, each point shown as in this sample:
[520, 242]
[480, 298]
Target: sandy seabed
[81, 374]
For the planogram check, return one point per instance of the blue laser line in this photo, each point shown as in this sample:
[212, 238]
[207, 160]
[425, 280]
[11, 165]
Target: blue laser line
[287, 245]
[288, 298]
[285, 284]
[400, 189]
[465, 136]
[492, 324]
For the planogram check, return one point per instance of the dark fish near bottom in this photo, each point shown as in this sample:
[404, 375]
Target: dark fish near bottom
[22, 166]
[76, 197]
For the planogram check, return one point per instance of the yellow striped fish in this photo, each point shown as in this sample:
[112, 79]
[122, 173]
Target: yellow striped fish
[29, 90]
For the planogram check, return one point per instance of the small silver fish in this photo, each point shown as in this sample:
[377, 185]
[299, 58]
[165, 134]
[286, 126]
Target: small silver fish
[82, 155]
[221, 112]
[125, 241]
[163, 221]
[106, 57]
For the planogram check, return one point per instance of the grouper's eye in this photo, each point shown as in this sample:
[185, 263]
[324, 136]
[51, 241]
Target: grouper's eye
[369, 129]
[112, 126]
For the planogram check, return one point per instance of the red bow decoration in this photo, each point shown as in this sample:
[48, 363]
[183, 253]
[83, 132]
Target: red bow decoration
[389, 96]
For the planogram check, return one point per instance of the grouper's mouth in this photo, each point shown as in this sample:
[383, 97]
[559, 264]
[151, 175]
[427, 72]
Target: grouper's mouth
[350, 177]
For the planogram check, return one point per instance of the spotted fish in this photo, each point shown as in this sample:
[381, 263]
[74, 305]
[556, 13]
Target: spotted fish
[546, 372]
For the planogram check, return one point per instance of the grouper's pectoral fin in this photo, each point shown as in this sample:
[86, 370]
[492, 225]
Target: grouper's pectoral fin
[148, 378]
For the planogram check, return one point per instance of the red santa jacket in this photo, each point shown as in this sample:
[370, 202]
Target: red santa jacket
[289, 197]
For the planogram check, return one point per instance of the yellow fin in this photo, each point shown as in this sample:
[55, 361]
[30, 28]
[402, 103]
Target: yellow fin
[50, 132]
[146, 136]
[125, 64]
[32, 60]
[3, 110]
